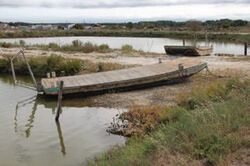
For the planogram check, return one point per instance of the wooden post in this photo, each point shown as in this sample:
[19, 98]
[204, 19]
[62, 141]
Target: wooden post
[53, 74]
[29, 68]
[245, 48]
[184, 42]
[159, 60]
[181, 69]
[13, 71]
[59, 102]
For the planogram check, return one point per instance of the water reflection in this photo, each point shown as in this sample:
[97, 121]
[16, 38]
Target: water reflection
[60, 136]
[140, 43]
[31, 119]
[21, 104]
[30, 135]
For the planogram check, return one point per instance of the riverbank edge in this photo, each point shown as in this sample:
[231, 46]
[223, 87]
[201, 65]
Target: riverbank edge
[212, 36]
[209, 124]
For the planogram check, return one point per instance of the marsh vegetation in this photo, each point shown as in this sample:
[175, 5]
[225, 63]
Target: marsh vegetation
[202, 129]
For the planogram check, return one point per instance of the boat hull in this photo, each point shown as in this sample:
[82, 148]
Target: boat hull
[136, 78]
[188, 50]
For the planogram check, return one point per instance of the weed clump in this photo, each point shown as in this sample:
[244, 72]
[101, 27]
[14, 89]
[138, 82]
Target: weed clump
[127, 49]
[104, 48]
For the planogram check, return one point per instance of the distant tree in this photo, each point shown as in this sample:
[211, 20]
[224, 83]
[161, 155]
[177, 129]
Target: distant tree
[60, 27]
[78, 26]
[129, 25]
[194, 25]
[239, 23]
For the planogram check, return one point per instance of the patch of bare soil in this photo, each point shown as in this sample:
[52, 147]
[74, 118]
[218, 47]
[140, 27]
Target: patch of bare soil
[239, 158]
[166, 158]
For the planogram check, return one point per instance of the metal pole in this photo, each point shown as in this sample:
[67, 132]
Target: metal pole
[206, 39]
[59, 102]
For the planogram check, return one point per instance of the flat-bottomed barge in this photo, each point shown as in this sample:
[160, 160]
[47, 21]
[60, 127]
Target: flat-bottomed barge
[123, 79]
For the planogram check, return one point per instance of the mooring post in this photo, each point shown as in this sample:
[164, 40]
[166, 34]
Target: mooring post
[184, 42]
[13, 71]
[245, 48]
[181, 69]
[159, 60]
[29, 68]
[59, 102]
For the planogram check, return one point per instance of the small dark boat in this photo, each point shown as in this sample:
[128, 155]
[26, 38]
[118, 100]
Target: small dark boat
[189, 50]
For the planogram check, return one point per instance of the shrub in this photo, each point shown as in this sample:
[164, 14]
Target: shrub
[6, 45]
[54, 46]
[104, 48]
[72, 66]
[76, 43]
[3, 65]
[126, 49]
[22, 43]
[199, 95]
[88, 47]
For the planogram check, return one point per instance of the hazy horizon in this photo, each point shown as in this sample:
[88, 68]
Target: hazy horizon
[114, 11]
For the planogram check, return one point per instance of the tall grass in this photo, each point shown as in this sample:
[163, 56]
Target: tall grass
[43, 64]
[204, 133]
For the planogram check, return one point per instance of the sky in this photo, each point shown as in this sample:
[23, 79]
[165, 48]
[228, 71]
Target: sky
[93, 11]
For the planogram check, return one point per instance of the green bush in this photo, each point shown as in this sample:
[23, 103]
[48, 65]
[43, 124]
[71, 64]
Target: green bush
[3, 65]
[126, 49]
[54, 46]
[104, 48]
[76, 43]
[6, 45]
[22, 43]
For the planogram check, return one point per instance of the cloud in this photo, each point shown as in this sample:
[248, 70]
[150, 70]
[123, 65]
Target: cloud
[110, 3]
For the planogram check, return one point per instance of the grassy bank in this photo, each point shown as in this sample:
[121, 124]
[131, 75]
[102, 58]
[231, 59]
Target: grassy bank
[62, 66]
[203, 129]
[227, 37]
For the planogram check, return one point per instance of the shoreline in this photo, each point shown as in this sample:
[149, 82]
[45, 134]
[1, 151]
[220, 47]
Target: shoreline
[221, 66]
[200, 35]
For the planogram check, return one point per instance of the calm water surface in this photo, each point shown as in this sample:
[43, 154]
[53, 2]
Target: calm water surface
[139, 43]
[29, 135]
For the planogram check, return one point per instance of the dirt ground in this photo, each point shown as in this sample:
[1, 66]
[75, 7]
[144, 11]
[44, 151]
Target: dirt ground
[220, 67]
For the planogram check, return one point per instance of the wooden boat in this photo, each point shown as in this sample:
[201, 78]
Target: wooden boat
[136, 77]
[189, 50]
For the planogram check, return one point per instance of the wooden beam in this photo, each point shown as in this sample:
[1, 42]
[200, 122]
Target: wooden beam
[245, 48]
[59, 102]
